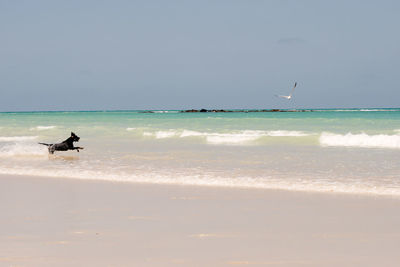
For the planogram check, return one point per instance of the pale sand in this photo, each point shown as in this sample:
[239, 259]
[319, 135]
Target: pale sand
[65, 222]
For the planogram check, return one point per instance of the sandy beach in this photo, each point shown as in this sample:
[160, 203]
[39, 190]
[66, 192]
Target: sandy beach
[66, 222]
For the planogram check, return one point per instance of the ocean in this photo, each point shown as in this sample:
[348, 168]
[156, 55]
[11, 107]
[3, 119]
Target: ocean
[353, 151]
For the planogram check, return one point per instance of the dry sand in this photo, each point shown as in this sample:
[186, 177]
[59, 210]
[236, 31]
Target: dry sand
[65, 222]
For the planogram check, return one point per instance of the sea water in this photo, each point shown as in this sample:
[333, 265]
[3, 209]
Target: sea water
[344, 151]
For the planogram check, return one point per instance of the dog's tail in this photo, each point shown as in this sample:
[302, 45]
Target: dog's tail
[45, 144]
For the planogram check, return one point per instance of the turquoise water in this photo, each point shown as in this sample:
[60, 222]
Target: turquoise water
[345, 151]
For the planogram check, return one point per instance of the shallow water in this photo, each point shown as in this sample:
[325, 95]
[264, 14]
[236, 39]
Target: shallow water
[345, 151]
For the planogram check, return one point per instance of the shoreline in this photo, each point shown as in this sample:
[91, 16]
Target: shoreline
[190, 186]
[65, 222]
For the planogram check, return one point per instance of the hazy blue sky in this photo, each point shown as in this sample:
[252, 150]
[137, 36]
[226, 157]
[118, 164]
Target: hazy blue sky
[85, 55]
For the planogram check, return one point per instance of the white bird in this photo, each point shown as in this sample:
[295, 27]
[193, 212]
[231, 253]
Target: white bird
[288, 97]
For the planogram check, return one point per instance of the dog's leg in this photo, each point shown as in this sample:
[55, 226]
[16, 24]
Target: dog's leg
[77, 148]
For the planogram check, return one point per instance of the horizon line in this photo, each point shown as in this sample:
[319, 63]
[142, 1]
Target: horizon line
[128, 110]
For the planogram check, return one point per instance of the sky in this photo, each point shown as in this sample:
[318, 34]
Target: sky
[118, 55]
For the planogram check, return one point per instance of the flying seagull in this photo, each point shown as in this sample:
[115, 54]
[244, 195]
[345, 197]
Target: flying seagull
[288, 97]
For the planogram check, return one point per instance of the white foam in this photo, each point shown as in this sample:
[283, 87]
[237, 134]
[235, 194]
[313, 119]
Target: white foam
[378, 110]
[219, 139]
[204, 180]
[23, 149]
[286, 133]
[360, 140]
[188, 133]
[165, 134]
[242, 137]
[42, 128]
[17, 138]
[161, 134]
[239, 137]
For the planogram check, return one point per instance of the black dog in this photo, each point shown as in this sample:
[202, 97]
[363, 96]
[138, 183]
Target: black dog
[65, 145]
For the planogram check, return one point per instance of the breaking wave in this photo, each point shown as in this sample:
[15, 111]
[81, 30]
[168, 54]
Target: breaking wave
[41, 128]
[360, 140]
[239, 137]
[17, 138]
[23, 150]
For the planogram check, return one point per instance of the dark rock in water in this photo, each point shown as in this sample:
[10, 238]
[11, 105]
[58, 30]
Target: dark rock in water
[242, 111]
[204, 110]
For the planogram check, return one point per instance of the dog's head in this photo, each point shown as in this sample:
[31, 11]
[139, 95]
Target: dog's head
[74, 137]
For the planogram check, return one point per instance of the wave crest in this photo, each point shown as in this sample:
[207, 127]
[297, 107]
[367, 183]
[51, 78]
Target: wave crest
[17, 138]
[360, 140]
[42, 128]
[238, 137]
[22, 149]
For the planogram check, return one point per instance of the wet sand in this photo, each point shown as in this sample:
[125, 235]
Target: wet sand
[66, 222]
